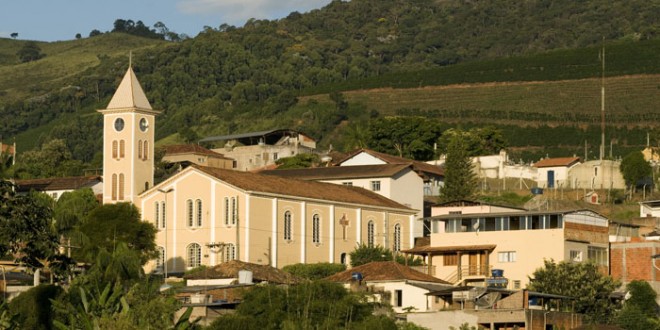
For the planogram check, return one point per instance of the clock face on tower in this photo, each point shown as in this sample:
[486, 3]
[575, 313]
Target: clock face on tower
[119, 124]
[144, 124]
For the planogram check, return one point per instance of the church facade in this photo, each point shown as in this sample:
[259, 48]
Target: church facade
[206, 216]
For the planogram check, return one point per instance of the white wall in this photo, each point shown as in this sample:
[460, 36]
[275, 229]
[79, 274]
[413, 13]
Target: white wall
[363, 158]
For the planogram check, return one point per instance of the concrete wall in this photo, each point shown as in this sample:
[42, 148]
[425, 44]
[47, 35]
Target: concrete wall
[596, 174]
[442, 320]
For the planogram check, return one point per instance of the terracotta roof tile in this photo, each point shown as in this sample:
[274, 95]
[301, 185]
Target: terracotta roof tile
[384, 271]
[340, 172]
[190, 149]
[48, 184]
[441, 249]
[553, 162]
[300, 188]
[417, 165]
[260, 273]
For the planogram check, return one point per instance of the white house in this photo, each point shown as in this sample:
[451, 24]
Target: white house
[403, 287]
[553, 172]
[55, 187]
[649, 209]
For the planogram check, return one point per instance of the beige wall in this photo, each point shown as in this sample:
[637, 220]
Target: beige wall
[137, 172]
[204, 160]
[597, 174]
[257, 156]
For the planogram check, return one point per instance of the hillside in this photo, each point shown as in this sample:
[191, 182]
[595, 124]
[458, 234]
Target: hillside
[230, 79]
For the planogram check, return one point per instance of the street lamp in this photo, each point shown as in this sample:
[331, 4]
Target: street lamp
[165, 286]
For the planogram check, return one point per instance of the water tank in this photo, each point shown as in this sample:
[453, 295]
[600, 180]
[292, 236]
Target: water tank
[244, 277]
[497, 272]
[356, 276]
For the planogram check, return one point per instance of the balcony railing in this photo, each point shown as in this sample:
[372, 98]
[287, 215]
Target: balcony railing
[467, 272]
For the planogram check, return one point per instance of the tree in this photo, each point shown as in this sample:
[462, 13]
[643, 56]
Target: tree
[95, 33]
[635, 168]
[14, 35]
[78, 36]
[640, 311]
[315, 271]
[111, 224]
[33, 307]
[53, 160]
[460, 179]
[26, 231]
[29, 52]
[410, 137]
[298, 161]
[582, 281]
[365, 254]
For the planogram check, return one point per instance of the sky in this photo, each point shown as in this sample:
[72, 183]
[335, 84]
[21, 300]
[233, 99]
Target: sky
[53, 20]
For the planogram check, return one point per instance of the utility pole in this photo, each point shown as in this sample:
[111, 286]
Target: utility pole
[602, 103]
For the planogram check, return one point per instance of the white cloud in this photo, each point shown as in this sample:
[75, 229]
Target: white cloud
[239, 11]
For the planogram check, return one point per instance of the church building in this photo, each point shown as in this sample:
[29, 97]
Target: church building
[206, 216]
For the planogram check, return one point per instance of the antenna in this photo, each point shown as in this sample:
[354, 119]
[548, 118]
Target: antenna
[130, 58]
[602, 103]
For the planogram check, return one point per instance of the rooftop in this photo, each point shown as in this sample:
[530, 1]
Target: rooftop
[417, 165]
[260, 273]
[384, 271]
[50, 184]
[340, 172]
[555, 162]
[191, 149]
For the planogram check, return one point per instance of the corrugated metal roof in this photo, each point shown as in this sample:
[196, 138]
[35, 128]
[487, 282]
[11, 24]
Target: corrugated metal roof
[340, 172]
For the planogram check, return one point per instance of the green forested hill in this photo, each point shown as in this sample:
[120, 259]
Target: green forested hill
[229, 79]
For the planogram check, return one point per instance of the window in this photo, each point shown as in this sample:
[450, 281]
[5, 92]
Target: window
[234, 210]
[316, 229]
[516, 284]
[598, 255]
[506, 256]
[121, 186]
[157, 214]
[140, 149]
[115, 152]
[189, 212]
[397, 237]
[576, 255]
[450, 259]
[534, 222]
[226, 211]
[342, 258]
[199, 213]
[398, 298]
[114, 187]
[230, 252]
[122, 148]
[160, 262]
[194, 255]
[554, 221]
[370, 234]
[145, 151]
[515, 223]
[275, 156]
[287, 226]
[348, 183]
[163, 219]
[375, 185]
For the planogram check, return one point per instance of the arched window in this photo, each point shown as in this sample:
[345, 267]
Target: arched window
[163, 218]
[160, 262]
[226, 211]
[230, 252]
[199, 212]
[234, 210]
[189, 212]
[287, 226]
[397, 237]
[115, 148]
[194, 255]
[316, 229]
[121, 186]
[122, 148]
[145, 150]
[157, 214]
[140, 149]
[342, 258]
[114, 187]
[370, 234]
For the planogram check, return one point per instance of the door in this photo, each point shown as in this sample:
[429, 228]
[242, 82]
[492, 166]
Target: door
[473, 264]
[551, 179]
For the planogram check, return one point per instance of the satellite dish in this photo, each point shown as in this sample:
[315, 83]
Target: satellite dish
[488, 300]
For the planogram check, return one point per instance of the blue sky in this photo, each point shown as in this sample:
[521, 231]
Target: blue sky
[52, 20]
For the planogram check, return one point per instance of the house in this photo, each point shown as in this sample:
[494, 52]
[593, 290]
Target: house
[553, 172]
[398, 182]
[471, 207]
[403, 287]
[207, 216]
[465, 248]
[495, 308]
[196, 154]
[597, 174]
[649, 209]
[256, 150]
[433, 175]
[55, 187]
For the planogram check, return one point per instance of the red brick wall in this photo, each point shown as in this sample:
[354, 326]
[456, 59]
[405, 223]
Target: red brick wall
[588, 233]
[632, 261]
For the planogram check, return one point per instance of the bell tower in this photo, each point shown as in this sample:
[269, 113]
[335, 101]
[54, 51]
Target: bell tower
[128, 142]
